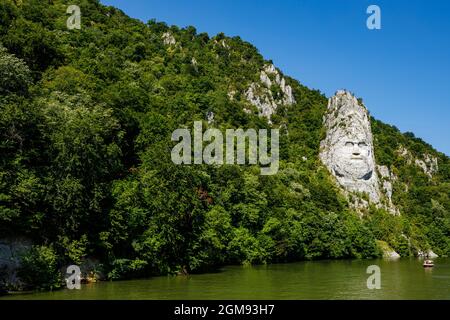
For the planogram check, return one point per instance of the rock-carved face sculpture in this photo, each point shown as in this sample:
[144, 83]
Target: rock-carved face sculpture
[352, 157]
[347, 149]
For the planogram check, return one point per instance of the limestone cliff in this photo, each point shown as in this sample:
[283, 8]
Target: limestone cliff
[348, 153]
[271, 92]
[347, 149]
[426, 162]
[168, 39]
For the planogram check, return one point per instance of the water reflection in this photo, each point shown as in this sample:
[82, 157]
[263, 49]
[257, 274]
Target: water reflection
[342, 279]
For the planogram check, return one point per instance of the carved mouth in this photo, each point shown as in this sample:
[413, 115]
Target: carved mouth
[356, 158]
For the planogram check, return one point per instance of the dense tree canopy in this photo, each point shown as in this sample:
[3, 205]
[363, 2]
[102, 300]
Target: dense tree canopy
[86, 118]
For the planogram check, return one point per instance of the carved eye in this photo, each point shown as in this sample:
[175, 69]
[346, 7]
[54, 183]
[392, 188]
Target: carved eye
[349, 144]
[362, 144]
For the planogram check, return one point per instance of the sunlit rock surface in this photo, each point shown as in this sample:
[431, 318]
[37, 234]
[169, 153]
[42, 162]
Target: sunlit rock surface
[427, 254]
[261, 94]
[386, 181]
[426, 162]
[347, 150]
[388, 252]
[168, 39]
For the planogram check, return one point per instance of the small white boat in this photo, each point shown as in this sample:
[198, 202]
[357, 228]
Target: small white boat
[428, 264]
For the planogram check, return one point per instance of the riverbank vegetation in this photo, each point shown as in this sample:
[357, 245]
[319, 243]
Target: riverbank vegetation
[86, 118]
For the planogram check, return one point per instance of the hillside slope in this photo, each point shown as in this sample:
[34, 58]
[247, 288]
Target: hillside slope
[85, 169]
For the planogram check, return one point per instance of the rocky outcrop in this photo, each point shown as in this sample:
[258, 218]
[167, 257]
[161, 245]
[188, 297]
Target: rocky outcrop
[347, 150]
[287, 98]
[222, 43]
[386, 182]
[10, 253]
[210, 117]
[429, 164]
[385, 177]
[387, 251]
[427, 254]
[262, 96]
[391, 255]
[194, 63]
[426, 162]
[168, 39]
[231, 94]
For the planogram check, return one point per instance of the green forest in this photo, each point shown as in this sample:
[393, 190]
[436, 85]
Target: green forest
[86, 118]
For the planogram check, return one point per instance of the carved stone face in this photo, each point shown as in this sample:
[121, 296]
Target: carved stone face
[352, 157]
[347, 149]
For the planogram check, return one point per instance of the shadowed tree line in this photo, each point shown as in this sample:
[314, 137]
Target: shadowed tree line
[86, 118]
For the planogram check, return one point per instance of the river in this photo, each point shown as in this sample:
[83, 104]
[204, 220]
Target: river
[338, 279]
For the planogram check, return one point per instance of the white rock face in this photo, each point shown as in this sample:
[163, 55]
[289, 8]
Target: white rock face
[429, 254]
[287, 96]
[221, 43]
[391, 255]
[386, 181]
[231, 94]
[224, 44]
[403, 151]
[194, 63]
[388, 252]
[261, 98]
[265, 79]
[270, 68]
[168, 39]
[427, 163]
[387, 187]
[432, 162]
[347, 150]
[260, 94]
[384, 172]
[421, 164]
[210, 117]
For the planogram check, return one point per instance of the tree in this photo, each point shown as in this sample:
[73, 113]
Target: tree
[15, 76]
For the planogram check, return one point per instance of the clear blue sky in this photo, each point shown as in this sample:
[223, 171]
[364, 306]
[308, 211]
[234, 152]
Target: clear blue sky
[401, 71]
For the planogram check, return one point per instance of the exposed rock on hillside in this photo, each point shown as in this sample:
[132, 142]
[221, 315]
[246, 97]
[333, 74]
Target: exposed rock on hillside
[348, 153]
[270, 93]
[168, 39]
[347, 150]
[387, 179]
[427, 254]
[427, 162]
[388, 252]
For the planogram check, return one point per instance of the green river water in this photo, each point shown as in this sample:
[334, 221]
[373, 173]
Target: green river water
[341, 279]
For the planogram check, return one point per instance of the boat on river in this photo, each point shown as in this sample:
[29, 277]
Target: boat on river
[428, 264]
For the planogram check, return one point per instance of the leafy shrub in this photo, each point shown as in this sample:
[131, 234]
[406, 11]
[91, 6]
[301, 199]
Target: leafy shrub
[39, 268]
[15, 77]
[126, 268]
